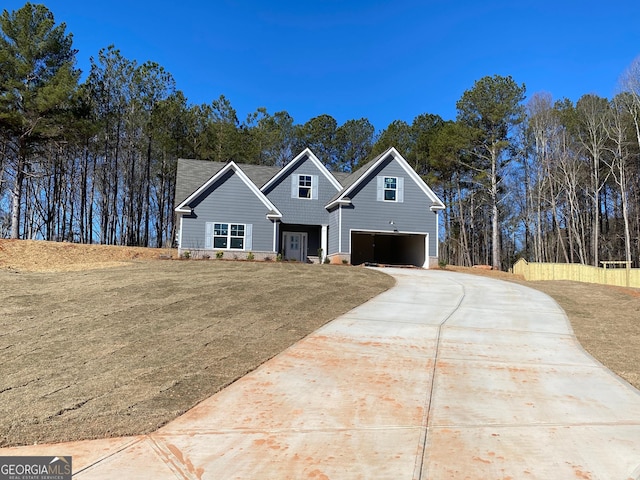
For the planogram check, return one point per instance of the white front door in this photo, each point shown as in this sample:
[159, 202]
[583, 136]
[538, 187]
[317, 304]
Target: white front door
[295, 246]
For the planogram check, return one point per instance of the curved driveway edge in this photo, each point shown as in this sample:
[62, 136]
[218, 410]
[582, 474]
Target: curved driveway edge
[445, 376]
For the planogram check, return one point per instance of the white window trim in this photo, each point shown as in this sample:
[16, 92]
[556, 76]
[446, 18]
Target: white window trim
[385, 189]
[229, 236]
[381, 188]
[310, 187]
[313, 187]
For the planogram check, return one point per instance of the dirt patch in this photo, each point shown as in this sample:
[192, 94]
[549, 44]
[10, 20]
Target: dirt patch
[605, 319]
[36, 256]
[91, 352]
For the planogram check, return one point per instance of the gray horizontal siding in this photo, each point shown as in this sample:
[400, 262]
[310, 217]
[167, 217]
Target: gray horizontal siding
[191, 174]
[301, 210]
[332, 243]
[367, 213]
[228, 200]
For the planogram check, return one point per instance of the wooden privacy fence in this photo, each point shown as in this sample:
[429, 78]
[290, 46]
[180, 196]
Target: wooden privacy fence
[621, 277]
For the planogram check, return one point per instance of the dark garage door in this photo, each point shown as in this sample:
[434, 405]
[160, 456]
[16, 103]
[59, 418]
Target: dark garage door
[387, 248]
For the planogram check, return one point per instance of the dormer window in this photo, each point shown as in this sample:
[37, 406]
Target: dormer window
[304, 186]
[390, 189]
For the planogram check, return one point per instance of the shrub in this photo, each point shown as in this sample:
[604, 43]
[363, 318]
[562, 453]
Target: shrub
[219, 255]
[250, 256]
[186, 254]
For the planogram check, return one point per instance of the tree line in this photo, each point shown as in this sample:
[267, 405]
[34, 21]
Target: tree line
[95, 161]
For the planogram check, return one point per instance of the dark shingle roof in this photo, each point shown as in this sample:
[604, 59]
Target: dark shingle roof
[341, 176]
[192, 174]
[352, 178]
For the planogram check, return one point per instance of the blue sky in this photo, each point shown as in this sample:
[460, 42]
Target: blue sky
[382, 60]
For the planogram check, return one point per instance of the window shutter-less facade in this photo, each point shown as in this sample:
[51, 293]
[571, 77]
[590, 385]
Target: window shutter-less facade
[400, 192]
[248, 237]
[380, 196]
[208, 236]
[314, 187]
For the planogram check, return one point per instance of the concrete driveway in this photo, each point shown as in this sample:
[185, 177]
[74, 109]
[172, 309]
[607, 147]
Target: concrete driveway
[445, 376]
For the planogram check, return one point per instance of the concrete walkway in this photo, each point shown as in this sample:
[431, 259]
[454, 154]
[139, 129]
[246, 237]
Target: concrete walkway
[445, 376]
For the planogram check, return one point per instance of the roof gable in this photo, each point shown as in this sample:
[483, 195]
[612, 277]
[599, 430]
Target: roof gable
[306, 153]
[190, 175]
[183, 207]
[363, 174]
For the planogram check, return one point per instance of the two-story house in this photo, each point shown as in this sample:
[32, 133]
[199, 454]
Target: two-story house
[381, 213]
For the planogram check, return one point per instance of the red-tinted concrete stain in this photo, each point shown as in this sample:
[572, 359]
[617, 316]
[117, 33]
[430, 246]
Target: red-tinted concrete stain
[264, 384]
[185, 461]
[478, 459]
[394, 403]
[579, 473]
[317, 474]
[270, 443]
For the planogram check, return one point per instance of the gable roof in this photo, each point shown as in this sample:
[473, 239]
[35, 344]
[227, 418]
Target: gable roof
[341, 177]
[289, 166]
[191, 174]
[360, 175]
[183, 207]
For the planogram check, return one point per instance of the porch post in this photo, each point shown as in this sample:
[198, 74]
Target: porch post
[275, 235]
[323, 242]
[340, 228]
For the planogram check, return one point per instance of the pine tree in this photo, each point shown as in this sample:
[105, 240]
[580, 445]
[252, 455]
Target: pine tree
[37, 82]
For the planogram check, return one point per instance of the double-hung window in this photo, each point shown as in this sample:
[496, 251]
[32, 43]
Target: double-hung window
[305, 186]
[229, 235]
[390, 189]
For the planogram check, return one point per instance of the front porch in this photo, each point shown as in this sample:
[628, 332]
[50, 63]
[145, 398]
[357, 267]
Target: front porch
[302, 243]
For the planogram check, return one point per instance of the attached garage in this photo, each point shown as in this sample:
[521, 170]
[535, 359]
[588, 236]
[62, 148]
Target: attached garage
[389, 248]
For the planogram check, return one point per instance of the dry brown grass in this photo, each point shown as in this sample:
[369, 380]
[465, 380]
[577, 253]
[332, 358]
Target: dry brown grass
[606, 320]
[89, 353]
